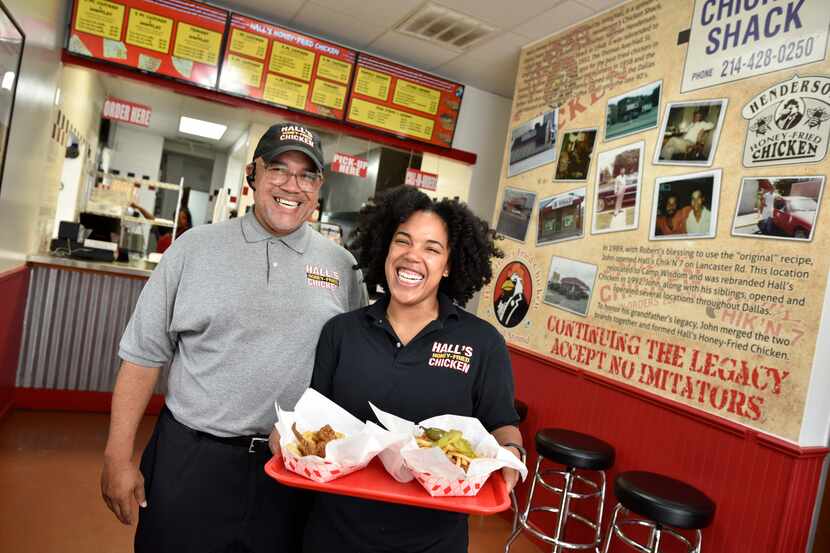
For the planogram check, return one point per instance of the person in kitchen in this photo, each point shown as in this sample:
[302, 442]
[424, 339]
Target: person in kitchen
[235, 309]
[429, 257]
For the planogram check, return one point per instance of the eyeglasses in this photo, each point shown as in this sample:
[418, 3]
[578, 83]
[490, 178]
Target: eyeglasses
[307, 181]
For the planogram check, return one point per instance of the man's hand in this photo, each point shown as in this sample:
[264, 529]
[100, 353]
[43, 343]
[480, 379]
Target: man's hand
[122, 486]
[274, 442]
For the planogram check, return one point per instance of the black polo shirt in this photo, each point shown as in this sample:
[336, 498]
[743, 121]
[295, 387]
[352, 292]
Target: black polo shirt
[458, 364]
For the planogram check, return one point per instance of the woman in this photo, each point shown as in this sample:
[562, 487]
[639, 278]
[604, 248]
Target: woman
[416, 354]
[185, 223]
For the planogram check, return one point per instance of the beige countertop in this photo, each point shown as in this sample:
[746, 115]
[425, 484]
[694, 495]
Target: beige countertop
[131, 269]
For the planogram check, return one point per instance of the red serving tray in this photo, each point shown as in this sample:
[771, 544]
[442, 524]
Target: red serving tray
[373, 482]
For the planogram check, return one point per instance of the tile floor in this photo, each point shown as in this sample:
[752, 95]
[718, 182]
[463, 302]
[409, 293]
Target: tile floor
[50, 499]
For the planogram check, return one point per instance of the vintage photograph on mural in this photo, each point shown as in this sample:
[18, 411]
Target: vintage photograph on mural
[633, 111]
[561, 217]
[512, 294]
[690, 133]
[570, 284]
[575, 155]
[533, 144]
[784, 208]
[515, 213]
[617, 200]
[685, 206]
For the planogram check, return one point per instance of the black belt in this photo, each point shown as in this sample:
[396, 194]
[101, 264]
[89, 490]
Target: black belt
[250, 442]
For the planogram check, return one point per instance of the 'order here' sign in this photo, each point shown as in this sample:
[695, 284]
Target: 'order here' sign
[128, 112]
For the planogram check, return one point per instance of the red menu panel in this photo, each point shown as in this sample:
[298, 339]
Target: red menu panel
[282, 67]
[176, 38]
[404, 101]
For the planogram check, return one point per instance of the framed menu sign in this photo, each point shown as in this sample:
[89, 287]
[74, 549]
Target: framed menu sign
[404, 101]
[176, 38]
[278, 66]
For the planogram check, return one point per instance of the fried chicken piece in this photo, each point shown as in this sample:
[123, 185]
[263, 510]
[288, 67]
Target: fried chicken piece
[323, 437]
[306, 447]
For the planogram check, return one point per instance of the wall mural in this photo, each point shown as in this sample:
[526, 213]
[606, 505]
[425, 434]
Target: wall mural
[678, 243]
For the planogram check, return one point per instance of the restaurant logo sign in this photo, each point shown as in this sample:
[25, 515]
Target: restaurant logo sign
[788, 123]
[512, 294]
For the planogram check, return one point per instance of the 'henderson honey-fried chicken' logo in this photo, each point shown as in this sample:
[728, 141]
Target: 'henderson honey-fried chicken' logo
[788, 123]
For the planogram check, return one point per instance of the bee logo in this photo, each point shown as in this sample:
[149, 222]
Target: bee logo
[761, 126]
[816, 116]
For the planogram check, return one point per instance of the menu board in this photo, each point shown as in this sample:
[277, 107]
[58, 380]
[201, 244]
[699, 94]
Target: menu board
[274, 65]
[404, 101]
[176, 38]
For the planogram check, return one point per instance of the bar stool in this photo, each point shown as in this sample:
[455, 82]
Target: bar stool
[521, 409]
[665, 504]
[575, 451]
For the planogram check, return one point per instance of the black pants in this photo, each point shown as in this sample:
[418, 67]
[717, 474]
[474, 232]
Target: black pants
[209, 497]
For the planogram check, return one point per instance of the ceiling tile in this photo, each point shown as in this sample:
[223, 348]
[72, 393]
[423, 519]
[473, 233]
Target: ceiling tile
[502, 47]
[558, 18]
[412, 51]
[496, 77]
[498, 13]
[274, 12]
[339, 27]
[381, 13]
[600, 5]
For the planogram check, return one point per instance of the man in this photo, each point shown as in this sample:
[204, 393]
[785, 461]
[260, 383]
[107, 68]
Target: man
[619, 190]
[236, 309]
[683, 144]
[790, 115]
[673, 220]
[699, 218]
[766, 209]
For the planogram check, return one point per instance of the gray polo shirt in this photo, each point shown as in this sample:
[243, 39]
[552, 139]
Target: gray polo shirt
[238, 312]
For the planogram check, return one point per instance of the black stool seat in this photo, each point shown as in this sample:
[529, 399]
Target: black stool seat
[664, 500]
[521, 409]
[574, 449]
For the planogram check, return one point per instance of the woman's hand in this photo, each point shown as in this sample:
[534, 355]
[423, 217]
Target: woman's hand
[274, 442]
[511, 478]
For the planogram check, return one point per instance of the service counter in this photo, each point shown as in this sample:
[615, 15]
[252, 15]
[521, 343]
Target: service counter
[76, 312]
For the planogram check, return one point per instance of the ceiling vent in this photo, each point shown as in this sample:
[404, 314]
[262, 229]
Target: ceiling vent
[445, 27]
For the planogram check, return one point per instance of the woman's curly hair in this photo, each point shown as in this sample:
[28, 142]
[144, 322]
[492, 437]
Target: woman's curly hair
[470, 239]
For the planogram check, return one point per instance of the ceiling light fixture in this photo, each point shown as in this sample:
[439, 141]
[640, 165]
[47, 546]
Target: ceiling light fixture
[198, 127]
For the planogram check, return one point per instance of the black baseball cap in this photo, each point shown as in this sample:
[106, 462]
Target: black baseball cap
[287, 137]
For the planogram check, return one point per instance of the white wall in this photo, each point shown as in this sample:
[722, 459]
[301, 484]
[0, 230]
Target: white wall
[29, 191]
[482, 128]
[815, 426]
[136, 150]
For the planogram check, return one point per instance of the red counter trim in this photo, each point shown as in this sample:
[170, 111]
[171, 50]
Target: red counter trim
[14, 287]
[73, 400]
[235, 101]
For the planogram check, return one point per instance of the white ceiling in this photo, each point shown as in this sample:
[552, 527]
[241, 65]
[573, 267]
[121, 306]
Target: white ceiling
[368, 25]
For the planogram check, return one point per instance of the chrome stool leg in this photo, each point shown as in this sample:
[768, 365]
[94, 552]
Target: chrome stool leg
[566, 494]
[522, 518]
[563, 510]
[656, 533]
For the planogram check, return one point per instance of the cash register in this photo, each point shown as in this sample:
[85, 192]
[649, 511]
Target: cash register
[94, 238]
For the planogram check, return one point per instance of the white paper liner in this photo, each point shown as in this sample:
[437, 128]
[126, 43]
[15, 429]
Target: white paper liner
[343, 456]
[404, 460]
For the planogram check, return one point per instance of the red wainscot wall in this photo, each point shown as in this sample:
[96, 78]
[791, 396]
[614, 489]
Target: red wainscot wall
[765, 488]
[14, 285]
